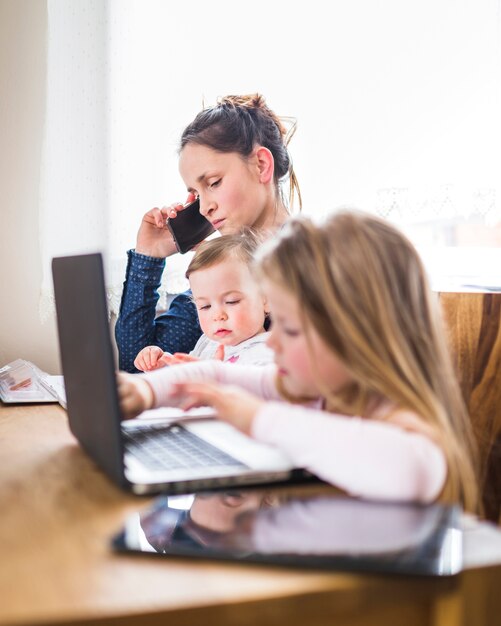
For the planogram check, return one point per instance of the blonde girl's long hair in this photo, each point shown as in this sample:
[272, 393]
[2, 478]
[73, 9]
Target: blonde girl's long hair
[361, 286]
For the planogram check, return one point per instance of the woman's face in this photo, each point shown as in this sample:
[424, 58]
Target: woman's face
[231, 189]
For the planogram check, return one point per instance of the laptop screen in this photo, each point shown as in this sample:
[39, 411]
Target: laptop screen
[88, 360]
[319, 531]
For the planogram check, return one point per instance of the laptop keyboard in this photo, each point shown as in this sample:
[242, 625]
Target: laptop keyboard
[161, 447]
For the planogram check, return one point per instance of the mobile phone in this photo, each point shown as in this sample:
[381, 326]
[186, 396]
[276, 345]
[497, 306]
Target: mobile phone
[189, 227]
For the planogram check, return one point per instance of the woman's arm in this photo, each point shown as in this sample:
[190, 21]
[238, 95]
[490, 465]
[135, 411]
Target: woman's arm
[177, 330]
[364, 457]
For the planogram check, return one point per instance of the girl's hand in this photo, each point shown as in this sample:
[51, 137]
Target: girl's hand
[178, 358]
[134, 395]
[232, 404]
[153, 237]
[219, 353]
[150, 358]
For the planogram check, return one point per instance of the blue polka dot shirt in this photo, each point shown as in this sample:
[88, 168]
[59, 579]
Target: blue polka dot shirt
[137, 325]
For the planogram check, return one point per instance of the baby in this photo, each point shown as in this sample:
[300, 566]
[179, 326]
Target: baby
[231, 309]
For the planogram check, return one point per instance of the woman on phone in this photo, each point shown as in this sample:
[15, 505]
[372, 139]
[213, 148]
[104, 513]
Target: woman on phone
[233, 157]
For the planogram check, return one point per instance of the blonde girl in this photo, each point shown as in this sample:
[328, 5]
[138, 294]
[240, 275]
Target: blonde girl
[360, 357]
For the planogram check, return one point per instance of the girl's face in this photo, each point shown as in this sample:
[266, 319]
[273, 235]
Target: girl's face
[233, 191]
[304, 366]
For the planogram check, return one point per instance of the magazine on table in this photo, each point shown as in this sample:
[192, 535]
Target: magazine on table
[22, 382]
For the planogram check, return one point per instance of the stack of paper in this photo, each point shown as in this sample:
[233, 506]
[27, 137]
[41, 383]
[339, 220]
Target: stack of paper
[23, 382]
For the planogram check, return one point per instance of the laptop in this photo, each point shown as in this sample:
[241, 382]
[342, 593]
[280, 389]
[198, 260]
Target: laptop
[142, 455]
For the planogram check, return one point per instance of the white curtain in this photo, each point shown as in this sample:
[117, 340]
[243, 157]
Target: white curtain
[398, 107]
[111, 137]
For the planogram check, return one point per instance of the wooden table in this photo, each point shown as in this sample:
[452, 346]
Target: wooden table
[58, 512]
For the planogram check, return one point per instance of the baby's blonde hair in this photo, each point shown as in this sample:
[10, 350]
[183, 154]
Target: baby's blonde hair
[241, 246]
[361, 285]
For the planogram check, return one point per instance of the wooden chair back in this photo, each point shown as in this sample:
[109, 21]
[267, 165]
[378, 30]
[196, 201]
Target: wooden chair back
[473, 324]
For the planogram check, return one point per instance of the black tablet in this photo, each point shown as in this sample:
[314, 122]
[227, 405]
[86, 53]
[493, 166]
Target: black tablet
[310, 530]
[313, 531]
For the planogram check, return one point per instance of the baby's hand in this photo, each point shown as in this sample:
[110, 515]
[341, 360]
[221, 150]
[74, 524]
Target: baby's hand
[134, 395]
[150, 358]
[232, 404]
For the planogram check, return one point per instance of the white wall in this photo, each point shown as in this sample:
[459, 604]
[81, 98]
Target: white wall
[365, 107]
[23, 67]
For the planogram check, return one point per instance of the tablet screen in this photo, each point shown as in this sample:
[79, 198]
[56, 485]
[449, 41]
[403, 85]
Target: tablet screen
[318, 531]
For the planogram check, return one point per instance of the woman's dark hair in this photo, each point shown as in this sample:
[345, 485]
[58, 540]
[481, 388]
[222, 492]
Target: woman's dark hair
[237, 124]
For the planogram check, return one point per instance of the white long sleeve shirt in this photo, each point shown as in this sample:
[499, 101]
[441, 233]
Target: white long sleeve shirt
[364, 457]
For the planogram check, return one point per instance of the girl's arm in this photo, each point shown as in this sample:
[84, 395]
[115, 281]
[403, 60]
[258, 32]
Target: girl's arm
[365, 458]
[258, 380]
[159, 388]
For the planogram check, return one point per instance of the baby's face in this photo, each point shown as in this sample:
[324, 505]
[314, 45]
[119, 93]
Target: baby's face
[230, 306]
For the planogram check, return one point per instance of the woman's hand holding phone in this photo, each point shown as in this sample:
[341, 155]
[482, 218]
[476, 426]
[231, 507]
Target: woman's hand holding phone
[154, 238]
[189, 227]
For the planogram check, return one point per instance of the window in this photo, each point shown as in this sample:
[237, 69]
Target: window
[397, 106]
